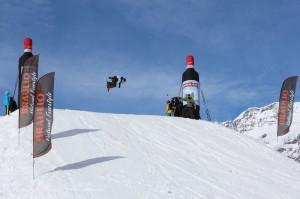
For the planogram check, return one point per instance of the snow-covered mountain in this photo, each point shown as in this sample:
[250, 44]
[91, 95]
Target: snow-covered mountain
[112, 156]
[261, 123]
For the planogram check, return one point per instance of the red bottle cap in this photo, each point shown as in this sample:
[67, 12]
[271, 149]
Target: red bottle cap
[190, 60]
[28, 43]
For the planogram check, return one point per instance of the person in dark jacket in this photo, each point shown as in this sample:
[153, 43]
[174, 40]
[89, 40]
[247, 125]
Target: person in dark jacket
[176, 106]
[27, 54]
[12, 105]
[168, 110]
[111, 82]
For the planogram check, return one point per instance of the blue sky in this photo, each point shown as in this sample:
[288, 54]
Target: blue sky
[243, 50]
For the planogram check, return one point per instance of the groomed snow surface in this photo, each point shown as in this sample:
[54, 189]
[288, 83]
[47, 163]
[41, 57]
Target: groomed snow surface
[261, 124]
[111, 156]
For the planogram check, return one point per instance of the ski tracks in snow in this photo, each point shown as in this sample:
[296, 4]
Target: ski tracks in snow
[158, 167]
[159, 157]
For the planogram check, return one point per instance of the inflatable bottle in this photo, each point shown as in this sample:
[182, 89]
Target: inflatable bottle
[190, 90]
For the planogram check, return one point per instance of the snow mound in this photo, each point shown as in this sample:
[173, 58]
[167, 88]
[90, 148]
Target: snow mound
[111, 156]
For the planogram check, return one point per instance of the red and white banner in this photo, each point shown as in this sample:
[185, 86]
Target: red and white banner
[286, 105]
[28, 85]
[43, 115]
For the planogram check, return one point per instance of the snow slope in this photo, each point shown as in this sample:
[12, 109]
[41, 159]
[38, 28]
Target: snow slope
[112, 156]
[261, 123]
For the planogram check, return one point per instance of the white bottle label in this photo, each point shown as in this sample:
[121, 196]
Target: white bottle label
[190, 87]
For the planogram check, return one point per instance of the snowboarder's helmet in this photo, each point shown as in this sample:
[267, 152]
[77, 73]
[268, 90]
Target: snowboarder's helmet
[190, 60]
[27, 43]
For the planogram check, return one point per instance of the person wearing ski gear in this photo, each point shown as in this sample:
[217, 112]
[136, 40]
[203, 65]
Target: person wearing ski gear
[113, 81]
[168, 108]
[121, 80]
[176, 106]
[27, 54]
[12, 105]
[5, 102]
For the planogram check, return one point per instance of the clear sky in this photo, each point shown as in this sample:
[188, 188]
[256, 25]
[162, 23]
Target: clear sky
[243, 50]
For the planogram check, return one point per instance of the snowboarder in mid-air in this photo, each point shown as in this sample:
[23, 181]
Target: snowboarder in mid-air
[113, 81]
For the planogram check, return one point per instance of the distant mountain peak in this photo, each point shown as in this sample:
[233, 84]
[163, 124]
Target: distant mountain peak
[254, 117]
[261, 123]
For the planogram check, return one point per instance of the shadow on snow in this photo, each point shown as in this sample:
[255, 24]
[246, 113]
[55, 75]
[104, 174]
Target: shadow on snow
[72, 132]
[86, 163]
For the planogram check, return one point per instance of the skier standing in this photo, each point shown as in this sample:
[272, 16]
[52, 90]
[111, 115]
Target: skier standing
[5, 101]
[12, 105]
[168, 108]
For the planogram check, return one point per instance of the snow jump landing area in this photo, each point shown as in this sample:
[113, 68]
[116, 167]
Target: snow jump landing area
[111, 156]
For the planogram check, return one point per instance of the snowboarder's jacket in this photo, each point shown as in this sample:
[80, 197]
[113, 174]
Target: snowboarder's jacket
[111, 82]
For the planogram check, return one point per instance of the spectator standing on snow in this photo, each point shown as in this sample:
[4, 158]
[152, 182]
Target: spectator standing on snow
[5, 102]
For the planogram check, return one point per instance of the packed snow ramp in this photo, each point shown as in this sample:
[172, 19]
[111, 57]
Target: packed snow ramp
[111, 156]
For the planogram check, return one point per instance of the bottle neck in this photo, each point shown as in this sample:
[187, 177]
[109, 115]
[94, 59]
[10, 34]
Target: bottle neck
[190, 66]
[27, 50]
